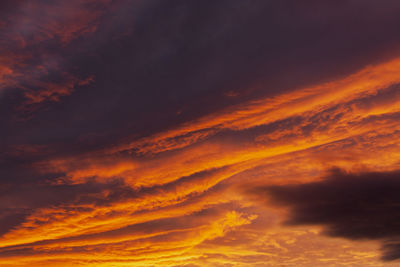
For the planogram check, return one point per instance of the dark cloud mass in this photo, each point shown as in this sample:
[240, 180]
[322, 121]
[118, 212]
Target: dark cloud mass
[183, 56]
[352, 205]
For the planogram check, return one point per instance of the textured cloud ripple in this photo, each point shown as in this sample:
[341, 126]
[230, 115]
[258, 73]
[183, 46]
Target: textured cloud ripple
[199, 133]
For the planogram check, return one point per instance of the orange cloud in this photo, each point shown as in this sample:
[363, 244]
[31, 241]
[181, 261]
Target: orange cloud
[182, 197]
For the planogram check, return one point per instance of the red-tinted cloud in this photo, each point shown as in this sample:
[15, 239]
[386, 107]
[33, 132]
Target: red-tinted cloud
[131, 131]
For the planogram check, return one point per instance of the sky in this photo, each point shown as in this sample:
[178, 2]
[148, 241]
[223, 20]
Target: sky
[193, 133]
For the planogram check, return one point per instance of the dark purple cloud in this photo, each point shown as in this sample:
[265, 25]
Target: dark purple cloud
[158, 64]
[357, 206]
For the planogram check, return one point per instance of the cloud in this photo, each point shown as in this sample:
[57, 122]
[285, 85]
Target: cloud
[140, 117]
[9, 220]
[356, 206]
[185, 59]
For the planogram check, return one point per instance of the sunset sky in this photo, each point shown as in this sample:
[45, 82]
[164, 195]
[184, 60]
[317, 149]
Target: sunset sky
[198, 133]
